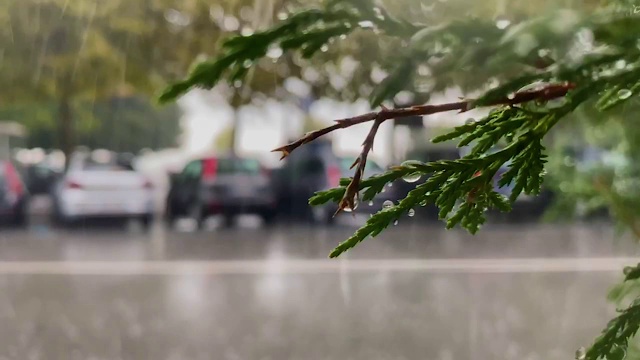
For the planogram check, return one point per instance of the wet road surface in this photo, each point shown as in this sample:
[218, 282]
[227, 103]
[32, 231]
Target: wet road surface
[416, 292]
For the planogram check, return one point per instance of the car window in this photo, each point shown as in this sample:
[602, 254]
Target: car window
[238, 166]
[192, 170]
[311, 166]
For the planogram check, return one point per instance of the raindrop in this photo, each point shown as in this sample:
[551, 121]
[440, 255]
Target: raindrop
[371, 203]
[621, 64]
[343, 36]
[502, 22]
[556, 103]
[378, 13]
[366, 24]
[395, 223]
[274, 52]
[247, 63]
[282, 15]
[355, 206]
[237, 83]
[324, 48]
[246, 31]
[624, 94]
[470, 121]
[390, 184]
[627, 270]
[581, 353]
[511, 96]
[383, 190]
[411, 212]
[543, 52]
[412, 177]
[387, 204]
[423, 204]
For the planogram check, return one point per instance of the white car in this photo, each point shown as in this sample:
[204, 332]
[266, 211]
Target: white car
[100, 185]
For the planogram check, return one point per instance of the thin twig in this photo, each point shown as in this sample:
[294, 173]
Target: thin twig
[351, 193]
[547, 93]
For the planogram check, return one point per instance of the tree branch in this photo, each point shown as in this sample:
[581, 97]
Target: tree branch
[549, 92]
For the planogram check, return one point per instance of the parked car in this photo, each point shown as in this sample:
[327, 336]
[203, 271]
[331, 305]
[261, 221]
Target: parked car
[102, 185]
[315, 167]
[14, 196]
[226, 186]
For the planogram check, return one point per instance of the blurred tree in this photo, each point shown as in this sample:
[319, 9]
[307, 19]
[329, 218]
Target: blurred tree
[122, 124]
[223, 143]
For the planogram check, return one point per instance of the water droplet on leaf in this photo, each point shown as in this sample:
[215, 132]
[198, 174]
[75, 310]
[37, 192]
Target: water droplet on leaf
[387, 204]
[324, 48]
[355, 206]
[581, 353]
[274, 52]
[390, 184]
[502, 22]
[371, 203]
[237, 83]
[366, 24]
[411, 212]
[343, 36]
[378, 13]
[543, 52]
[395, 222]
[624, 94]
[511, 96]
[627, 270]
[470, 121]
[247, 63]
[412, 177]
[282, 15]
[621, 64]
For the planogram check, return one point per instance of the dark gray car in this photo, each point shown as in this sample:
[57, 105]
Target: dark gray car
[226, 186]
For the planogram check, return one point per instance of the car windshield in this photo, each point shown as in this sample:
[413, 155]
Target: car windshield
[92, 165]
[238, 166]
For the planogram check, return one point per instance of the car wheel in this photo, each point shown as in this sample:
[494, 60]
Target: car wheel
[20, 218]
[268, 217]
[228, 220]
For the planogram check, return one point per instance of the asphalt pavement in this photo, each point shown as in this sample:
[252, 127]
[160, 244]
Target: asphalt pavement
[114, 291]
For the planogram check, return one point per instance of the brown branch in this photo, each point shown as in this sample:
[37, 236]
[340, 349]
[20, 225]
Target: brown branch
[547, 93]
[351, 192]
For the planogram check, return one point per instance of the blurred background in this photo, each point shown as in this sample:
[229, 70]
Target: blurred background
[131, 230]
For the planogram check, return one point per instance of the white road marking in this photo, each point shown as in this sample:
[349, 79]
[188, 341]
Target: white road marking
[258, 267]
